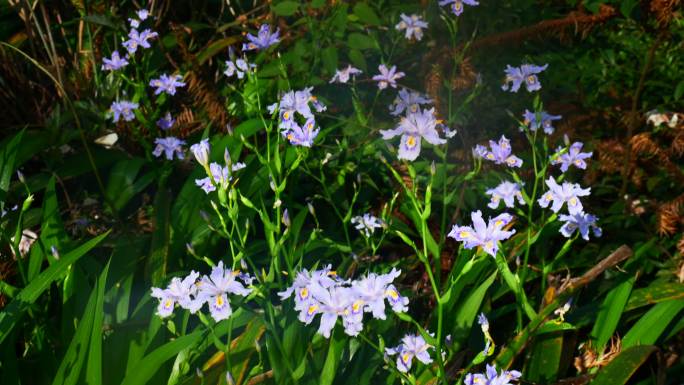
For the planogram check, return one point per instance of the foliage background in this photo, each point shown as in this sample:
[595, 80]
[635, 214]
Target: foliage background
[122, 219]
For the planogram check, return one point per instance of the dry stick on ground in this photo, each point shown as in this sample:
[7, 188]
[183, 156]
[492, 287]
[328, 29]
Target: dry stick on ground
[507, 355]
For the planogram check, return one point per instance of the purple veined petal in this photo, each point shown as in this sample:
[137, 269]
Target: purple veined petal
[409, 147]
[219, 307]
[328, 321]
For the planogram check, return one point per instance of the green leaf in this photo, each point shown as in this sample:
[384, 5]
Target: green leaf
[360, 41]
[286, 8]
[10, 314]
[70, 369]
[656, 292]
[545, 358]
[366, 14]
[333, 358]
[8, 155]
[122, 185]
[611, 311]
[145, 368]
[679, 91]
[358, 60]
[627, 6]
[652, 324]
[469, 309]
[619, 370]
[159, 249]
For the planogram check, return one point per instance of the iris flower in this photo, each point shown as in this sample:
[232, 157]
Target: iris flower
[263, 39]
[572, 157]
[170, 146]
[366, 224]
[545, 121]
[387, 77]
[115, 63]
[457, 5]
[412, 346]
[507, 192]
[558, 195]
[499, 153]
[123, 109]
[413, 25]
[413, 128]
[215, 288]
[526, 73]
[167, 84]
[181, 292]
[343, 75]
[481, 234]
[582, 222]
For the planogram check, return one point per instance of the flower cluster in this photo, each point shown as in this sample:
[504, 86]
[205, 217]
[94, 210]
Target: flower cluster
[572, 156]
[526, 73]
[238, 67]
[412, 25]
[367, 224]
[499, 153]
[506, 191]
[492, 377]
[191, 294]
[323, 292]
[535, 121]
[457, 5]
[412, 346]
[294, 107]
[486, 235]
[217, 175]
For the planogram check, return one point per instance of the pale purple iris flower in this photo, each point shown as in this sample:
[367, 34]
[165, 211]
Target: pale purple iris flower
[170, 146]
[166, 122]
[123, 109]
[201, 151]
[115, 63]
[582, 222]
[545, 121]
[343, 75]
[457, 5]
[387, 77]
[526, 73]
[263, 39]
[506, 191]
[412, 346]
[339, 302]
[409, 101]
[238, 67]
[374, 289]
[413, 128]
[182, 292]
[481, 234]
[305, 284]
[499, 153]
[572, 157]
[295, 102]
[167, 84]
[138, 39]
[492, 377]
[215, 288]
[367, 224]
[221, 175]
[413, 25]
[558, 195]
[143, 14]
[302, 135]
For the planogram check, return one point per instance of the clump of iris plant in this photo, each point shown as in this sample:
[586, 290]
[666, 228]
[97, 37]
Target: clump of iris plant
[526, 73]
[170, 146]
[387, 76]
[412, 346]
[499, 153]
[343, 75]
[263, 39]
[572, 156]
[558, 195]
[414, 127]
[535, 121]
[492, 377]
[581, 222]
[483, 234]
[412, 25]
[323, 292]
[506, 192]
[123, 109]
[367, 224]
[457, 5]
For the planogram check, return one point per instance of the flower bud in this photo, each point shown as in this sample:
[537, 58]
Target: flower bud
[201, 151]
